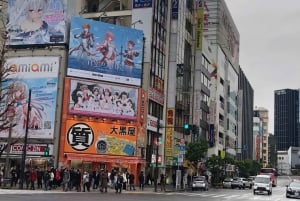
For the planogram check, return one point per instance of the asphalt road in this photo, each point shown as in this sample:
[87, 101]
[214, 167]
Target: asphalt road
[148, 195]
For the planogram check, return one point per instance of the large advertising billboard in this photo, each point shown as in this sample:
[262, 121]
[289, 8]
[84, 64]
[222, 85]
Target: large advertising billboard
[36, 22]
[100, 138]
[105, 52]
[40, 75]
[102, 99]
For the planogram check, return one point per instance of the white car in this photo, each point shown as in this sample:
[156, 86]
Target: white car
[199, 182]
[262, 183]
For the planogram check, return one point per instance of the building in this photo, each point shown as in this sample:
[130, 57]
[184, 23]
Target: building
[223, 43]
[245, 118]
[286, 119]
[262, 114]
[257, 139]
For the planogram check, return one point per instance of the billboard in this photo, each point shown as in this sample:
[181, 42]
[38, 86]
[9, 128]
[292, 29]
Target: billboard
[40, 74]
[105, 52]
[102, 99]
[100, 138]
[36, 22]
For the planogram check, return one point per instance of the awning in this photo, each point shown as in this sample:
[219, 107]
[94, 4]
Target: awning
[104, 158]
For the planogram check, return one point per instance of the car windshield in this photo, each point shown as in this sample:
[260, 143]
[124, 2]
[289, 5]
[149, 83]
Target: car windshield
[199, 179]
[228, 179]
[262, 180]
[295, 184]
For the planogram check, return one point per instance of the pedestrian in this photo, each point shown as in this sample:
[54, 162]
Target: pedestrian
[119, 183]
[47, 179]
[103, 181]
[162, 182]
[27, 177]
[40, 176]
[66, 179]
[124, 175]
[96, 179]
[86, 181]
[131, 181]
[141, 180]
[32, 178]
[77, 180]
[13, 173]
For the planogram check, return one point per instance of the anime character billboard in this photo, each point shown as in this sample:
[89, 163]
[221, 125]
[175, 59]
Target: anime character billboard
[105, 100]
[40, 75]
[105, 52]
[36, 22]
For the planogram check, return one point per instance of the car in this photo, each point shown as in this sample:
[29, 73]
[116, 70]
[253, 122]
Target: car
[262, 183]
[199, 182]
[227, 182]
[241, 182]
[293, 189]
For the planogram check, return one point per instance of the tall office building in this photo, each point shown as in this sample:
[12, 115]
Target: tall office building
[245, 118]
[286, 119]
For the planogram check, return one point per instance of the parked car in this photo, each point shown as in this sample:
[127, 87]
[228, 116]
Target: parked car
[241, 182]
[293, 189]
[262, 183]
[227, 182]
[199, 182]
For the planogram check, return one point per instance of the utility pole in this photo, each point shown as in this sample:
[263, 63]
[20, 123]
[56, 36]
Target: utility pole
[25, 142]
[156, 161]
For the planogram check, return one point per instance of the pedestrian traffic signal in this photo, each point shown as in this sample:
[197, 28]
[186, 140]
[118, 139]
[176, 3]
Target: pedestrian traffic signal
[46, 151]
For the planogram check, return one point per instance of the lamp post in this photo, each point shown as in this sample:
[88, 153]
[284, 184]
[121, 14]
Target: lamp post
[138, 21]
[25, 143]
[156, 158]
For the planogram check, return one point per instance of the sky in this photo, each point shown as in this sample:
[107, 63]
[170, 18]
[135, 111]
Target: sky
[269, 47]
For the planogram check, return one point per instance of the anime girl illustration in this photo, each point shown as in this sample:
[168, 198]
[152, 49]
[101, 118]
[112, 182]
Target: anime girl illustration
[108, 50]
[86, 42]
[17, 94]
[129, 54]
[26, 21]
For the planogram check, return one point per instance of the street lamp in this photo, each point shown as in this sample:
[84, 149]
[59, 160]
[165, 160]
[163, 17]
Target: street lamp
[135, 22]
[25, 142]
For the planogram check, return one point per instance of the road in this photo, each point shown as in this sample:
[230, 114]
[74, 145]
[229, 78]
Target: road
[149, 195]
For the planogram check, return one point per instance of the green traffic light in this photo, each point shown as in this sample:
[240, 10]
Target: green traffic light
[186, 126]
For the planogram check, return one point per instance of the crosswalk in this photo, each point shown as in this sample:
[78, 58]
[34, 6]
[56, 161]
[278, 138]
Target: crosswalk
[279, 196]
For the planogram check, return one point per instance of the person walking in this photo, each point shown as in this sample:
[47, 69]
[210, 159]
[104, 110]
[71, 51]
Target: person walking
[103, 181]
[141, 180]
[119, 183]
[86, 181]
[131, 181]
[32, 178]
[162, 182]
[66, 179]
[40, 176]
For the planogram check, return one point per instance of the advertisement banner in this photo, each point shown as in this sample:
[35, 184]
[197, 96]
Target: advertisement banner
[100, 138]
[102, 100]
[36, 22]
[105, 52]
[40, 75]
[32, 149]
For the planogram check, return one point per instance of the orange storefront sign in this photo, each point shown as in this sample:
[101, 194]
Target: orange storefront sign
[100, 138]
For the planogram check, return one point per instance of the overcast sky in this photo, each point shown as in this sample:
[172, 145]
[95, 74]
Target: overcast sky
[269, 46]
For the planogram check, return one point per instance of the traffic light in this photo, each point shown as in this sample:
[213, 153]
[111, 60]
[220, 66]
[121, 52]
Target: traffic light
[46, 151]
[195, 129]
[187, 128]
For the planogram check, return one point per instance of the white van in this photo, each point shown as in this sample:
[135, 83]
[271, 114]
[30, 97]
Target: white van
[262, 183]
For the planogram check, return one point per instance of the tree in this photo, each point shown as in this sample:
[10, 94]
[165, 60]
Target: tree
[248, 167]
[215, 164]
[6, 114]
[195, 151]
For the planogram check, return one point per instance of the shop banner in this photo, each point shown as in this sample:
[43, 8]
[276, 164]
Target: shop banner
[100, 138]
[103, 100]
[36, 22]
[106, 52]
[40, 75]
